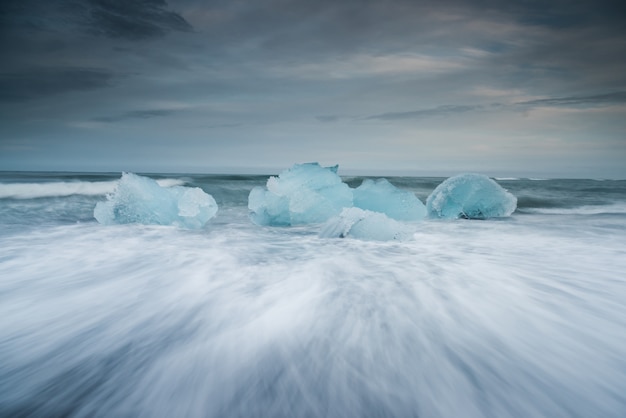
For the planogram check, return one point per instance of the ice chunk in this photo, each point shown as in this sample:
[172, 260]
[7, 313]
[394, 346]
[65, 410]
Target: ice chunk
[303, 194]
[365, 225]
[381, 196]
[471, 196]
[138, 199]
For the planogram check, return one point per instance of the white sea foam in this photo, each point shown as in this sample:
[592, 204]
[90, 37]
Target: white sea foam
[515, 317]
[472, 319]
[616, 208]
[67, 188]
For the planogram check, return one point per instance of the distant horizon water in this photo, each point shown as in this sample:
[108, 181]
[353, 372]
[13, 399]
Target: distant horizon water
[271, 171]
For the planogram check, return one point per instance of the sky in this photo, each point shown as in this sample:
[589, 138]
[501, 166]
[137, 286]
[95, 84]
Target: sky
[506, 88]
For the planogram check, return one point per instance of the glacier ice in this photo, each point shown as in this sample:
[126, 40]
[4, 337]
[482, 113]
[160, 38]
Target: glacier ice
[138, 199]
[471, 196]
[381, 196]
[303, 194]
[364, 224]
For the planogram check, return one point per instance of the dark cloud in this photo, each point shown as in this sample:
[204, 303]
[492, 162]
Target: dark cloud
[275, 26]
[137, 114]
[130, 19]
[134, 20]
[566, 13]
[599, 99]
[444, 110]
[224, 125]
[327, 118]
[50, 47]
[39, 82]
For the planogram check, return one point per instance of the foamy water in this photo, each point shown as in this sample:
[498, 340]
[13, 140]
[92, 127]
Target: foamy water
[62, 189]
[518, 317]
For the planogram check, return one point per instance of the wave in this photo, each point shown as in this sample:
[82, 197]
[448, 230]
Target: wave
[519, 179]
[69, 188]
[540, 202]
[616, 208]
[248, 321]
[171, 182]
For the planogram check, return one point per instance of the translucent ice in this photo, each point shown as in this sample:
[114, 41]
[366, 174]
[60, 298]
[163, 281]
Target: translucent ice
[303, 194]
[138, 199]
[382, 196]
[471, 196]
[365, 225]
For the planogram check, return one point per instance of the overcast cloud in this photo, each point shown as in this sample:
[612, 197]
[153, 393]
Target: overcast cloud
[522, 88]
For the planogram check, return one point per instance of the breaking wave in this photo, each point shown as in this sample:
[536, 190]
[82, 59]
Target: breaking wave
[67, 188]
[580, 210]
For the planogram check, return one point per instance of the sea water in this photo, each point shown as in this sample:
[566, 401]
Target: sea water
[523, 316]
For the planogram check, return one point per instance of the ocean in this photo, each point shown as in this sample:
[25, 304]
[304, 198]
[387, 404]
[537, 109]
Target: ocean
[523, 316]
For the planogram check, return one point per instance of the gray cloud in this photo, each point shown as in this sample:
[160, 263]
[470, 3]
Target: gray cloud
[276, 26]
[328, 118]
[134, 20]
[445, 110]
[418, 114]
[50, 47]
[599, 99]
[224, 125]
[137, 114]
[38, 82]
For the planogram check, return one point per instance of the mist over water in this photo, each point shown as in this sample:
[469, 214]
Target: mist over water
[516, 317]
